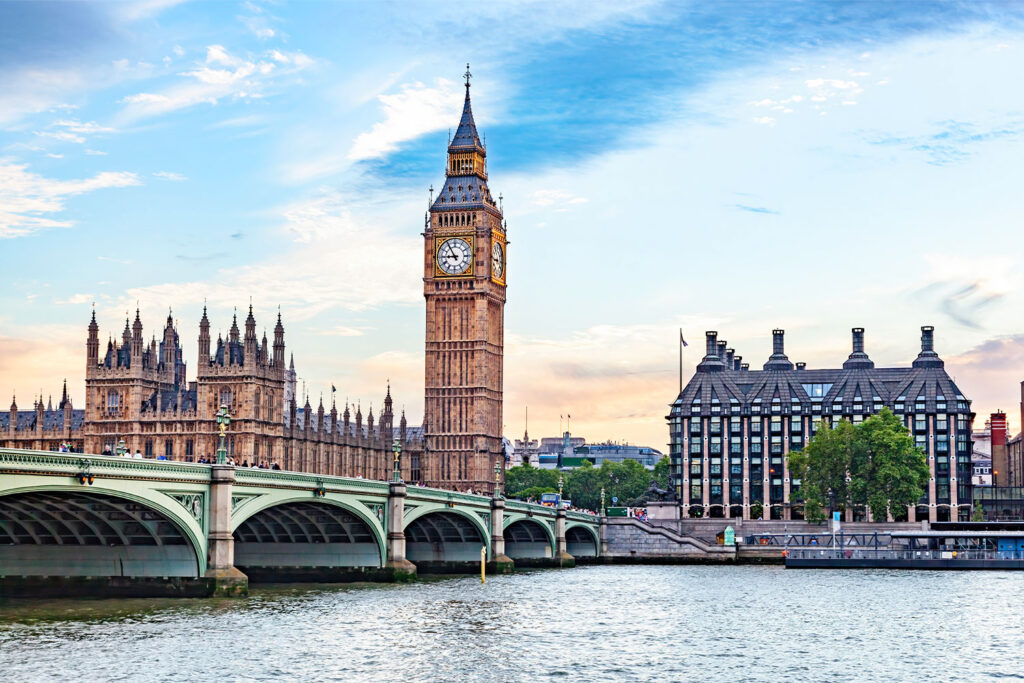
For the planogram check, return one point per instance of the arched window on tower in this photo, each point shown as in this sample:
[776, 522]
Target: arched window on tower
[113, 400]
[256, 405]
[225, 397]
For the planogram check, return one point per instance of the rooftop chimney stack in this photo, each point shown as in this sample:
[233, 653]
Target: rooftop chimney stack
[858, 340]
[713, 360]
[729, 353]
[777, 342]
[928, 358]
[927, 338]
[801, 366]
[736, 365]
[778, 359]
[712, 342]
[858, 359]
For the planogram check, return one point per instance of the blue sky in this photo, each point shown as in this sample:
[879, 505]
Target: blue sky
[740, 167]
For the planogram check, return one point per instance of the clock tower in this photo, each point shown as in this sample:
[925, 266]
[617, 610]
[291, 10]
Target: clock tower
[464, 287]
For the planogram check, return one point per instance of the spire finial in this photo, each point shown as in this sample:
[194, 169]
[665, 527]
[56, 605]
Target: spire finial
[468, 76]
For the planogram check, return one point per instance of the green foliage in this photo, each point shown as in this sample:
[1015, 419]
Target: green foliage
[661, 472]
[534, 492]
[519, 479]
[628, 481]
[874, 463]
[756, 510]
[978, 513]
[897, 471]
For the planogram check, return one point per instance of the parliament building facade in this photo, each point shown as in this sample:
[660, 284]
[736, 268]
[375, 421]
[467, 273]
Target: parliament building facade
[138, 393]
[731, 428]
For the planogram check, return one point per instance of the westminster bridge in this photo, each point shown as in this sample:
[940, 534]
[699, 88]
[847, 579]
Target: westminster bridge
[74, 523]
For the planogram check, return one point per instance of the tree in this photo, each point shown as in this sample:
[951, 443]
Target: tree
[661, 471]
[523, 477]
[896, 472]
[875, 464]
[822, 468]
[978, 513]
[583, 486]
[626, 480]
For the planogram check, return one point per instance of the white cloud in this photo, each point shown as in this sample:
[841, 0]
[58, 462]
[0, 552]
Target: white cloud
[71, 130]
[27, 199]
[141, 9]
[168, 175]
[415, 110]
[76, 299]
[95, 152]
[553, 197]
[345, 331]
[337, 262]
[221, 76]
[61, 135]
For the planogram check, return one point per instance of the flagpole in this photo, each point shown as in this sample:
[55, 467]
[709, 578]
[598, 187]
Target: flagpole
[680, 360]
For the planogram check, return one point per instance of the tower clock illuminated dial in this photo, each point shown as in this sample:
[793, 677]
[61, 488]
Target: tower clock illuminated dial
[454, 256]
[497, 260]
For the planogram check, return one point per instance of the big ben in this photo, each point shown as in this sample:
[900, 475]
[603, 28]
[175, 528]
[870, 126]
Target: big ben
[464, 279]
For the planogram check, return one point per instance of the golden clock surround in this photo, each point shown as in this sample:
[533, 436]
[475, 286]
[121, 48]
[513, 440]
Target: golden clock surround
[469, 272]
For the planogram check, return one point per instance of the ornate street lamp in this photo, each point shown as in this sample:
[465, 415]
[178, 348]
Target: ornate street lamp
[497, 479]
[121, 448]
[223, 420]
[396, 474]
[602, 502]
[559, 491]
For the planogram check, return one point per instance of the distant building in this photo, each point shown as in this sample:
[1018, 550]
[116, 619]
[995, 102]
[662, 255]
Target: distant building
[1015, 451]
[981, 455]
[619, 452]
[573, 450]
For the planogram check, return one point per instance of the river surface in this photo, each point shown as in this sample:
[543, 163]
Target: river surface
[617, 623]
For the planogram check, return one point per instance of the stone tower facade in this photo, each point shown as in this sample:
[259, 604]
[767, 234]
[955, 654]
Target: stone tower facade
[464, 279]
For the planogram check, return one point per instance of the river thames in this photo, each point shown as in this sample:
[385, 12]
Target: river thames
[616, 623]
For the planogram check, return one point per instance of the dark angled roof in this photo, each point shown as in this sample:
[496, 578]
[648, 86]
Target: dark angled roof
[463, 192]
[466, 137]
[52, 419]
[855, 387]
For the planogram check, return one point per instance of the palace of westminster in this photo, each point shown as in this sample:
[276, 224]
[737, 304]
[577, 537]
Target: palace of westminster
[139, 392]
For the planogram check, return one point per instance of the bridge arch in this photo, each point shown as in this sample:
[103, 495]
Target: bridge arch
[581, 541]
[444, 540]
[94, 531]
[527, 538]
[299, 537]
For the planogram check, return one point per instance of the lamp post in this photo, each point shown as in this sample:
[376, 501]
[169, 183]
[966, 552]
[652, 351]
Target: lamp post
[559, 491]
[396, 448]
[497, 479]
[223, 420]
[121, 448]
[603, 513]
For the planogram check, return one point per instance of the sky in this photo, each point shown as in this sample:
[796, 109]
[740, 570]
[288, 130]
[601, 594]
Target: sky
[663, 166]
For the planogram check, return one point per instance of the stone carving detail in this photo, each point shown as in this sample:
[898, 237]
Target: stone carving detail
[237, 501]
[193, 502]
[378, 510]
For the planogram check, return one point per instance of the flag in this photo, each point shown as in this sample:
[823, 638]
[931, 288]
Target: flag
[683, 341]
[333, 388]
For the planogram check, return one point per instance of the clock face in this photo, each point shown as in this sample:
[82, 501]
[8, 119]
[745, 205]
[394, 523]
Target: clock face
[454, 256]
[497, 260]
